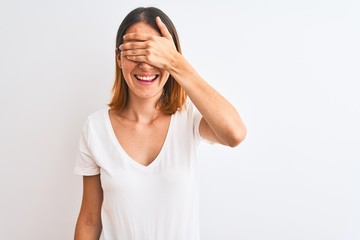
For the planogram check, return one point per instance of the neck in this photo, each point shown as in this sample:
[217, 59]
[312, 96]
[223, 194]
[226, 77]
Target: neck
[142, 110]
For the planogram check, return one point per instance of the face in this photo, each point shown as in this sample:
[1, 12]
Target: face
[144, 81]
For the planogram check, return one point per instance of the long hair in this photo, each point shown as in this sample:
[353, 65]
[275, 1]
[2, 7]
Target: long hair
[174, 96]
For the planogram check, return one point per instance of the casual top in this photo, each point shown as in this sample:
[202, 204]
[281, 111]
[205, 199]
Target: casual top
[154, 202]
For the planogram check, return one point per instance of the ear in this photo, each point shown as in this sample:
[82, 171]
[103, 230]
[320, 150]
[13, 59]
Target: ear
[118, 58]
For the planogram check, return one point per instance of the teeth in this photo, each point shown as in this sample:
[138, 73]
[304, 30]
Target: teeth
[145, 78]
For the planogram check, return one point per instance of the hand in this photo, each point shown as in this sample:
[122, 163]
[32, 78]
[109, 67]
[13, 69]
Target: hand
[158, 51]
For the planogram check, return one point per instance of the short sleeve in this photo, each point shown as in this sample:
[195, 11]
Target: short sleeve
[84, 162]
[196, 115]
[196, 119]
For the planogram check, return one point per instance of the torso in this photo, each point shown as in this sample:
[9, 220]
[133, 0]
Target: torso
[159, 201]
[142, 142]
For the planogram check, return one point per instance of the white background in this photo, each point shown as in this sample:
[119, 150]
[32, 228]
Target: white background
[291, 68]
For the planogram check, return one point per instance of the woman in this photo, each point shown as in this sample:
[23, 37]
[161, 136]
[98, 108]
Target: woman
[138, 157]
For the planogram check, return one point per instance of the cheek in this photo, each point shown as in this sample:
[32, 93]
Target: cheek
[127, 65]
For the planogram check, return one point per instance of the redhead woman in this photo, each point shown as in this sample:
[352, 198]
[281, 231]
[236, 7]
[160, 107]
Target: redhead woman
[138, 156]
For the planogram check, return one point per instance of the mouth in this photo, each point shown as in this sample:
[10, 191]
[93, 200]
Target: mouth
[147, 78]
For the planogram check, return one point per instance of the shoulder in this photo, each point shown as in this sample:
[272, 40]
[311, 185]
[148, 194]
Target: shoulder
[98, 113]
[188, 114]
[187, 122]
[188, 108]
[96, 119]
[97, 116]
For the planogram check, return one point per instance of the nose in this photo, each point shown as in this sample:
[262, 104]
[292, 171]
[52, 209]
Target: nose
[145, 66]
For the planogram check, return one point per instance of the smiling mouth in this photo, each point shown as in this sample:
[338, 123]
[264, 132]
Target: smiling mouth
[146, 78]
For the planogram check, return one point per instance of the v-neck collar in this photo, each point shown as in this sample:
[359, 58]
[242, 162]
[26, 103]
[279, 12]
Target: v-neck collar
[124, 153]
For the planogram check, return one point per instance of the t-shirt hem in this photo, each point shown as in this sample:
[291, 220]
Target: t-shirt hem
[86, 173]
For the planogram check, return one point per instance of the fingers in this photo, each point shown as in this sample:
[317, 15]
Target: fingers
[134, 51]
[137, 58]
[164, 31]
[137, 37]
[149, 48]
[133, 45]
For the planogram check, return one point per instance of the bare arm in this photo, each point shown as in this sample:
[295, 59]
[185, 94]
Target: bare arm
[221, 122]
[88, 226]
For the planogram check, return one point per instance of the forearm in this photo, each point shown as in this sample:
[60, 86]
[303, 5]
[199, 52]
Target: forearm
[220, 115]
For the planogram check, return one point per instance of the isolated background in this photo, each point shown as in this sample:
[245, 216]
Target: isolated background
[291, 68]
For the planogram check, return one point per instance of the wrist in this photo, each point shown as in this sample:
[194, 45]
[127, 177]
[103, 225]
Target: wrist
[175, 63]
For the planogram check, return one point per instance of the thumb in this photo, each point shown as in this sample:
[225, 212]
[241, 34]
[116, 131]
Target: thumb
[163, 29]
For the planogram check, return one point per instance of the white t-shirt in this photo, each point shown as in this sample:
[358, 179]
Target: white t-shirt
[154, 202]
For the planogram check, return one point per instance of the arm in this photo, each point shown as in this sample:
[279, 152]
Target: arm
[221, 122]
[88, 226]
